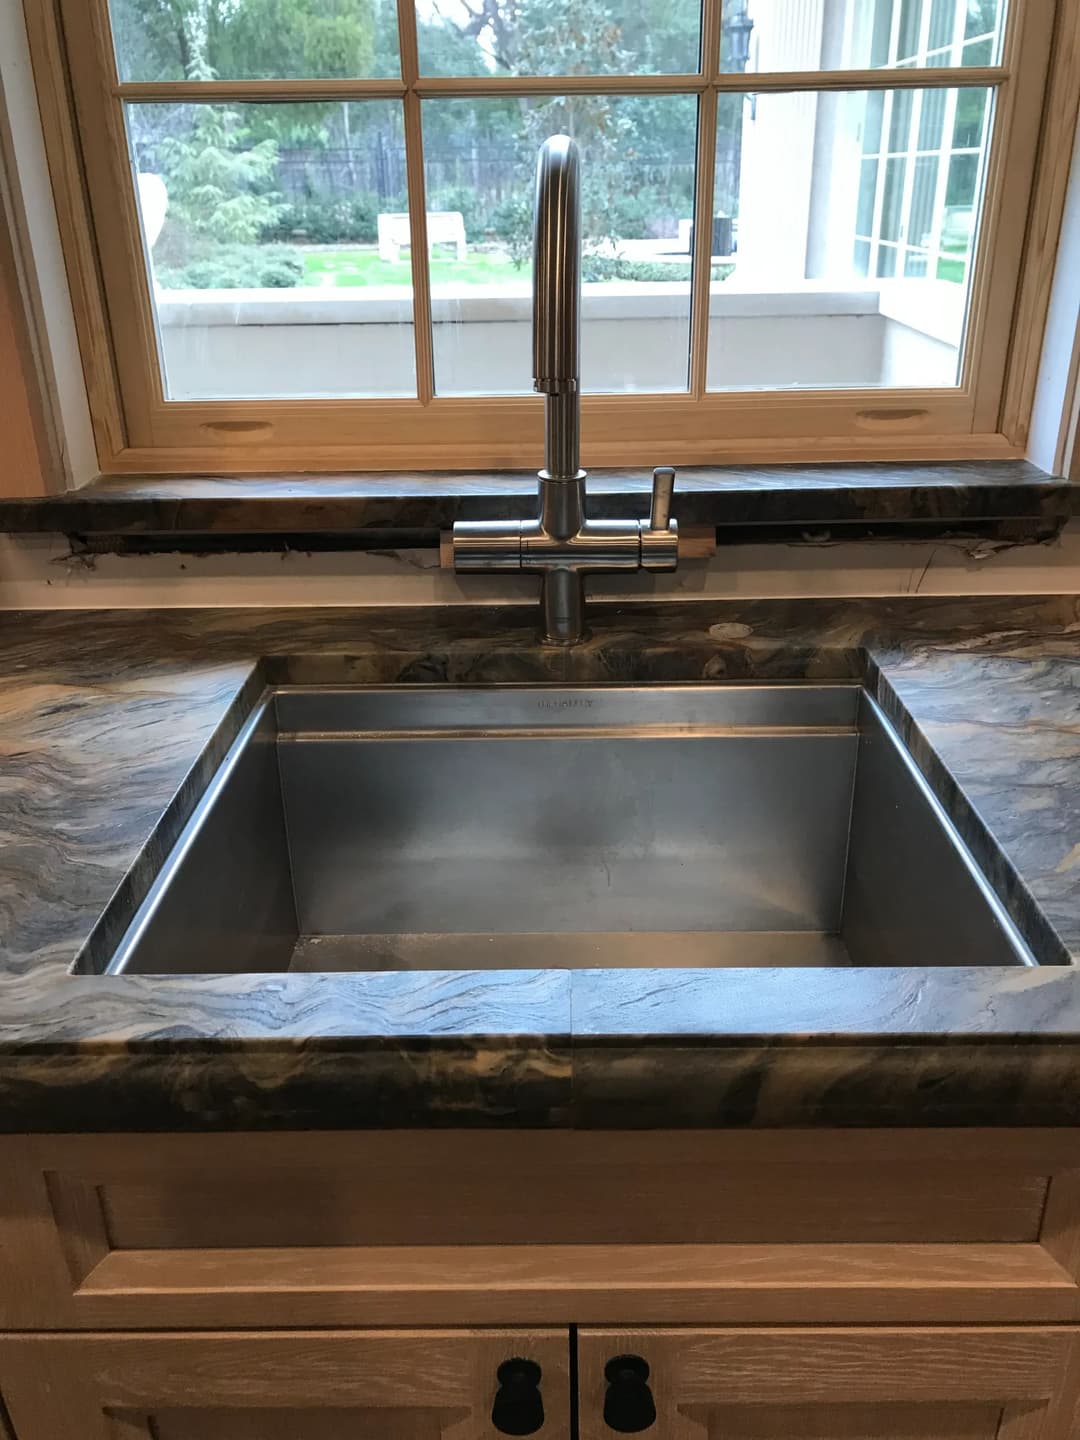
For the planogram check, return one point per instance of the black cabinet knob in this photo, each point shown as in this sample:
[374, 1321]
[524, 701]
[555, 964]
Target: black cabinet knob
[628, 1404]
[519, 1406]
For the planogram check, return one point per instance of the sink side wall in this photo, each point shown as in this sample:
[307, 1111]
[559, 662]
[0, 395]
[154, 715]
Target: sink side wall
[909, 896]
[228, 904]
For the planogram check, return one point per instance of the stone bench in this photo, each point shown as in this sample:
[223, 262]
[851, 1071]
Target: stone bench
[444, 227]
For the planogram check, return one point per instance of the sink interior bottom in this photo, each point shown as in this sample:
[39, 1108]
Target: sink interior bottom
[574, 950]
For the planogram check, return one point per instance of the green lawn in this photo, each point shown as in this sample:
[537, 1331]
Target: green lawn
[363, 267]
[950, 270]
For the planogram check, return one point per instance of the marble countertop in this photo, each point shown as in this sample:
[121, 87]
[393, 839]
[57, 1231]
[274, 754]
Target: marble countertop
[112, 721]
[1019, 499]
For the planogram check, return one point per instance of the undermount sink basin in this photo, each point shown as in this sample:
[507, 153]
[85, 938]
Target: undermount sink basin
[506, 827]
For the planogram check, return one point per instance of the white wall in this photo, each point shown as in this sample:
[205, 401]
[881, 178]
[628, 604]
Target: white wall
[39, 572]
[910, 357]
[1053, 431]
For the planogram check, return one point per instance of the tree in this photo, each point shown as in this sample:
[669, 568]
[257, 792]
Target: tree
[219, 186]
[639, 152]
[244, 39]
[490, 28]
[328, 39]
[637, 35]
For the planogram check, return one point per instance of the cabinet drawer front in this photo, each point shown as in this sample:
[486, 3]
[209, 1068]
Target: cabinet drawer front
[840, 1384]
[399, 1228]
[405, 1385]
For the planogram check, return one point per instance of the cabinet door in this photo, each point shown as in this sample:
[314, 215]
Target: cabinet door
[827, 1384]
[358, 1385]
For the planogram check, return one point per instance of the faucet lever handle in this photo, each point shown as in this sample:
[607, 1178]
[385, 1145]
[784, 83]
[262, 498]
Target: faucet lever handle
[663, 486]
[660, 533]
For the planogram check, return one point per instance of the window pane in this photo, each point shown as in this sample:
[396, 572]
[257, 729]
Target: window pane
[979, 52]
[971, 106]
[942, 23]
[864, 219]
[637, 157]
[255, 39]
[763, 35]
[963, 179]
[932, 119]
[915, 264]
[278, 244]
[951, 269]
[559, 37]
[849, 270]
[907, 43]
[872, 23]
[873, 122]
[984, 17]
[920, 226]
[900, 124]
[895, 172]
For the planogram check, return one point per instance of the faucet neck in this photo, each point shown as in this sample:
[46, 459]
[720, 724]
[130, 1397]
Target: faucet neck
[562, 505]
[562, 436]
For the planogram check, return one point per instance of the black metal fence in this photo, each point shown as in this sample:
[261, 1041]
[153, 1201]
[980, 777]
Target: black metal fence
[488, 174]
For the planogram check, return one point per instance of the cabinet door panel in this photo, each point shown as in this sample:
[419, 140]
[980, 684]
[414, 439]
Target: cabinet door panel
[830, 1384]
[850, 1422]
[358, 1385]
[509, 1228]
[306, 1424]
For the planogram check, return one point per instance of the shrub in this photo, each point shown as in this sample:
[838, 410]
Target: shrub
[513, 224]
[606, 267]
[632, 216]
[598, 268]
[326, 220]
[236, 267]
[470, 204]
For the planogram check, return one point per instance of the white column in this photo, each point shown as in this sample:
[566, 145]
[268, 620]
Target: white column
[778, 147]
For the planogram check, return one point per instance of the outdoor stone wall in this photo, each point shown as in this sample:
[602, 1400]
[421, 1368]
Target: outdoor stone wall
[267, 343]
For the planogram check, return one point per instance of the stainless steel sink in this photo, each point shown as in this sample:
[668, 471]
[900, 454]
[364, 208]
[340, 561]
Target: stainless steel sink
[505, 827]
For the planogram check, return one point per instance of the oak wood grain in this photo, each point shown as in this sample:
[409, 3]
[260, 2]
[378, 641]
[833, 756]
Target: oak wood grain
[400, 1227]
[563, 1284]
[65, 1386]
[825, 1382]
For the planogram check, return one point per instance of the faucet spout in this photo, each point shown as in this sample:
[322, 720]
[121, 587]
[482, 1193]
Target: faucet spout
[557, 302]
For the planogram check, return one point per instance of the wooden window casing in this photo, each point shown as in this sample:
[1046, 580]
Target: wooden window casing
[985, 415]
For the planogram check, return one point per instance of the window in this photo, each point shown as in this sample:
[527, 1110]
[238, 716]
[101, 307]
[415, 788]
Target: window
[310, 224]
[924, 151]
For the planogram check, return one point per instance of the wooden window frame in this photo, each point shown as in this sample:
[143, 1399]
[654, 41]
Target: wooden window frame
[986, 415]
[31, 449]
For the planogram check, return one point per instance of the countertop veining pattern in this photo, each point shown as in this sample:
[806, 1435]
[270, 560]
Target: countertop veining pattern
[111, 722]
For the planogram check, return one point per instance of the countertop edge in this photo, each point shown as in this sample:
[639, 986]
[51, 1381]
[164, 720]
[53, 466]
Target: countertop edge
[791, 495]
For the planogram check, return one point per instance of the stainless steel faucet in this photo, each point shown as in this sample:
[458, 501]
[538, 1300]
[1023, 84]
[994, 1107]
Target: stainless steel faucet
[561, 545]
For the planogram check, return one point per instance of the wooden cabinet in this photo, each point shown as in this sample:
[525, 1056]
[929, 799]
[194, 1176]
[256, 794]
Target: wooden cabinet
[829, 1384]
[920, 1285]
[413, 1228]
[308, 1385]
